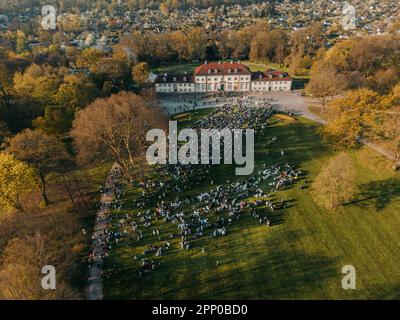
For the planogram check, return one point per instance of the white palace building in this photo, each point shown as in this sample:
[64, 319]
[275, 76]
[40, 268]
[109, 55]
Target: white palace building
[223, 76]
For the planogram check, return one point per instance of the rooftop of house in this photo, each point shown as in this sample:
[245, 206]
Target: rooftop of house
[221, 68]
[174, 78]
[225, 68]
[270, 75]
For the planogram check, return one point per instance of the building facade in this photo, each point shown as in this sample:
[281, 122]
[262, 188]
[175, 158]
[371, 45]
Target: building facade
[223, 76]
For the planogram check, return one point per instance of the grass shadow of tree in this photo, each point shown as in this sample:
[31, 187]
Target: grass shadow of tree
[380, 193]
[281, 273]
[390, 293]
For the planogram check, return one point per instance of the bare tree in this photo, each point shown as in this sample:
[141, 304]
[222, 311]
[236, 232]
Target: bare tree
[325, 83]
[114, 129]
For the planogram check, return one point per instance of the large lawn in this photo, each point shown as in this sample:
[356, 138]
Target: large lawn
[300, 256]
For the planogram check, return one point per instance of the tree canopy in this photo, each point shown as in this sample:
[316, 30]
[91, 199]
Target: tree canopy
[16, 180]
[114, 129]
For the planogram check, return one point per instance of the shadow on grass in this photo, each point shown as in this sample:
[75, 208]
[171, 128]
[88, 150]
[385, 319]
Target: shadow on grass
[379, 193]
[261, 266]
[391, 293]
[261, 273]
[300, 141]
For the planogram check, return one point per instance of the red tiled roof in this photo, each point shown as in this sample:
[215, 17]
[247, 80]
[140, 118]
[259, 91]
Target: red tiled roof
[174, 78]
[222, 68]
[270, 75]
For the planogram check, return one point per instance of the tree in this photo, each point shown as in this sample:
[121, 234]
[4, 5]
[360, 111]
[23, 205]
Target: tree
[387, 126]
[307, 41]
[70, 23]
[20, 273]
[269, 45]
[34, 90]
[11, 38]
[21, 40]
[4, 131]
[43, 152]
[164, 9]
[369, 61]
[16, 180]
[384, 80]
[197, 44]
[336, 183]
[325, 83]
[140, 73]
[56, 120]
[37, 83]
[179, 45]
[112, 69]
[351, 117]
[22, 262]
[89, 58]
[114, 129]
[76, 92]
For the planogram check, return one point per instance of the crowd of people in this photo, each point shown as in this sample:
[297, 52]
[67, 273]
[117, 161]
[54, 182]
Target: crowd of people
[103, 235]
[168, 212]
[179, 103]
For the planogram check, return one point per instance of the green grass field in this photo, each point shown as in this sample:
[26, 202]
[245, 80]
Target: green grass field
[300, 256]
[177, 68]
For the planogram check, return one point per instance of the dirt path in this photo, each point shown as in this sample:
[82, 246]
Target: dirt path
[94, 289]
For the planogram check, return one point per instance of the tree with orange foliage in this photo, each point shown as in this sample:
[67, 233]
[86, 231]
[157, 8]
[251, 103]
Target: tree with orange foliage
[114, 129]
[351, 117]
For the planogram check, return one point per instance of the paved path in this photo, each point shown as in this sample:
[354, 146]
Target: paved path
[284, 101]
[379, 149]
[300, 105]
[94, 289]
